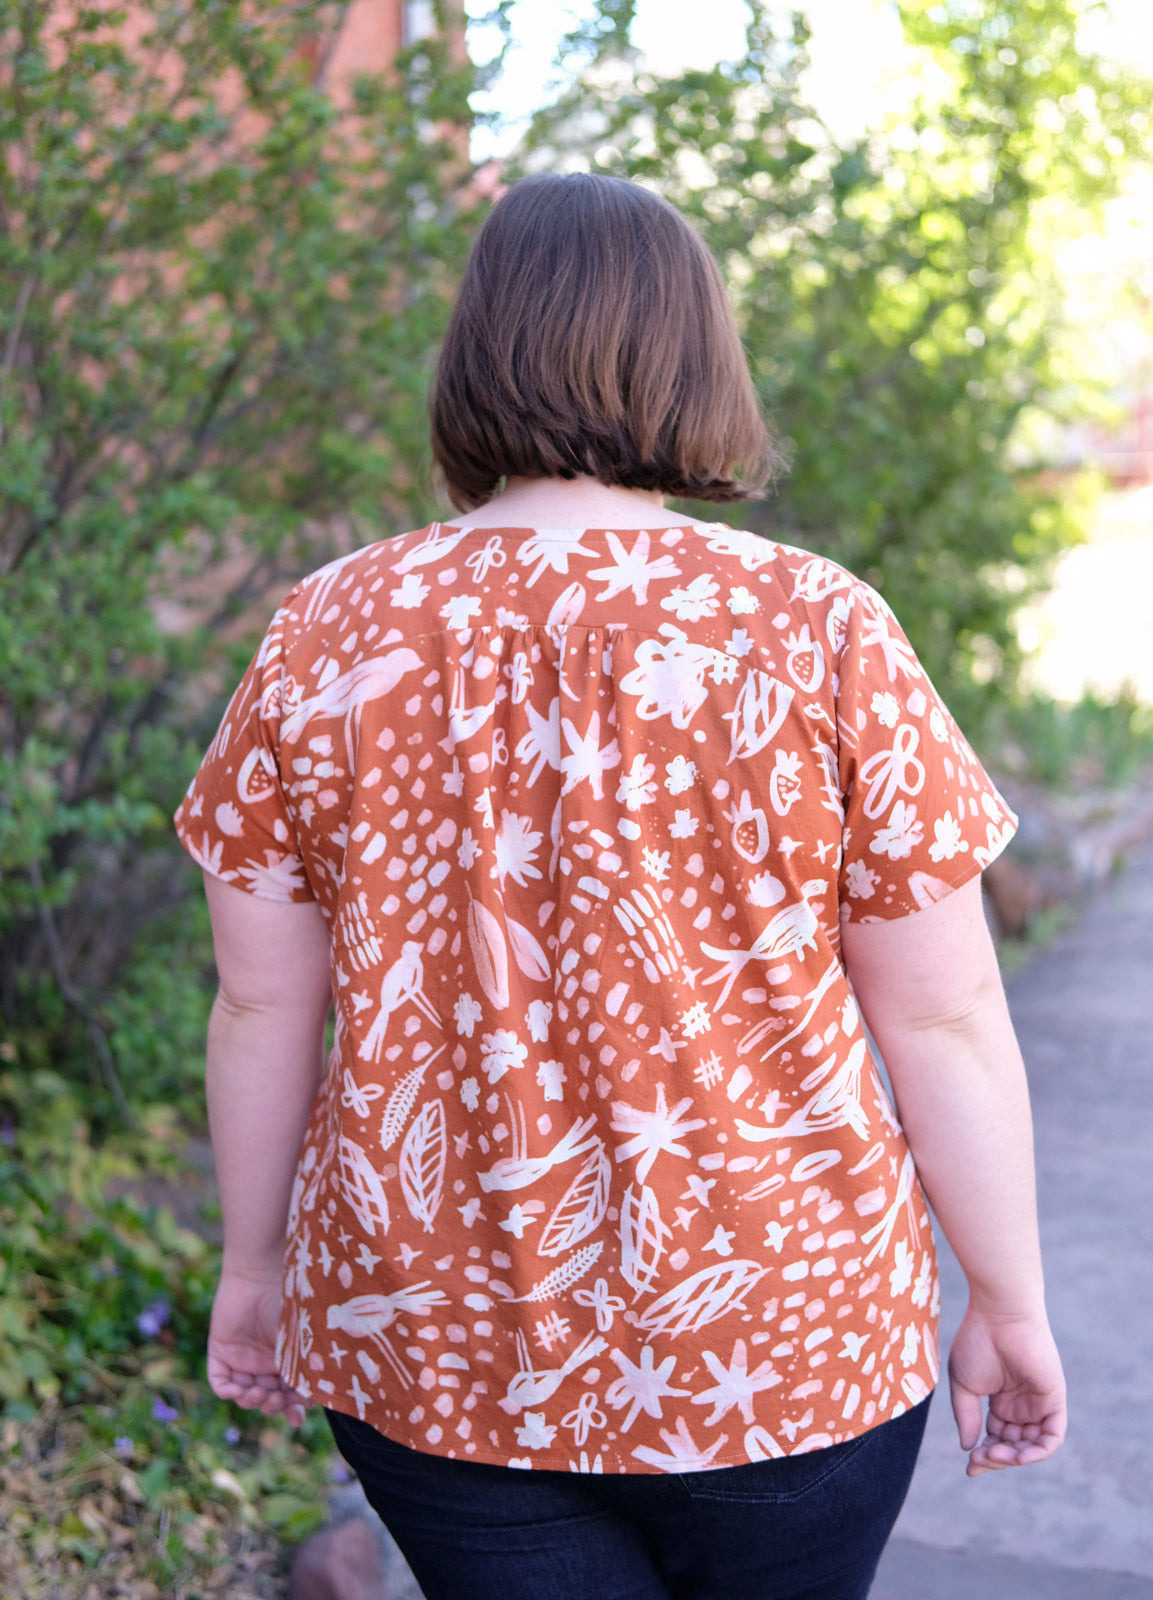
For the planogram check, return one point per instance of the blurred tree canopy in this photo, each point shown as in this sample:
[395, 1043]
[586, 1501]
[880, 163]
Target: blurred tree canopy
[219, 299]
[898, 314]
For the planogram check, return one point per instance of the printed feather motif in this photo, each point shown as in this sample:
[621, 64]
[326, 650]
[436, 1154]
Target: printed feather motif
[581, 1207]
[422, 1161]
[702, 1298]
[564, 1276]
[527, 952]
[643, 1236]
[489, 953]
[398, 1105]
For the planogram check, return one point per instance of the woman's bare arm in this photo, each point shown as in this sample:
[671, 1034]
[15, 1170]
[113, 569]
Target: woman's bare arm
[265, 1060]
[931, 993]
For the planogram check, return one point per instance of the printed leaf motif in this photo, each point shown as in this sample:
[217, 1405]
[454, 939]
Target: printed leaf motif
[581, 1208]
[362, 1188]
[643, 1236]
[422, 1161]
[702, 1298]
[398, 1105]
[489, 953]
[564, 1276]
[527, 952]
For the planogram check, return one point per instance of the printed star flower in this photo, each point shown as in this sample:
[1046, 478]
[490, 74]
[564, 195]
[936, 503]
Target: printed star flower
[684, 1454]
[516, 846]
[641, 1388]
[636, 788]
[632, 569]
[735, 1384]
[653, 1131]
[683, 825]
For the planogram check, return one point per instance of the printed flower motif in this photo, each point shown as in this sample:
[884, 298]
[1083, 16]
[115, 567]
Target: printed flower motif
[695, 600]
[886, 709]
[948, 838]
[681, 775]
[460, 610]
[653, 1131]
[470, 1094]
[642, 1387]
[904, 831]
[636, 788]
[938, 727]
[468, 849]
[740, 643]
[536, 1433]
[735, 1385]
[516, 847]
[862, 880]
[742, 602]
[632, 569]
[466, 1013]
[500, 1051]
[683, 825]
[411, 593]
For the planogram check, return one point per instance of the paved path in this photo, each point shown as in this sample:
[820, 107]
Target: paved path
[1081, 1526]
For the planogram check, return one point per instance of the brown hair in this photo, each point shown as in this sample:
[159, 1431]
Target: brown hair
[592, 335]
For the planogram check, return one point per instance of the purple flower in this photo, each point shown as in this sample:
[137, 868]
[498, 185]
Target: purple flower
[340, 1473]
[124, 1447]
[232, 1435]
[163, 1412]
[152, 1318]
[8, 1132]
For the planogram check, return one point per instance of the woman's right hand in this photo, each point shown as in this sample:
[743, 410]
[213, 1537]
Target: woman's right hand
[1011, 1360]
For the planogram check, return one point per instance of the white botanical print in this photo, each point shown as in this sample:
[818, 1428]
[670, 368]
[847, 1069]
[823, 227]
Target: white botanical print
[601, 1175]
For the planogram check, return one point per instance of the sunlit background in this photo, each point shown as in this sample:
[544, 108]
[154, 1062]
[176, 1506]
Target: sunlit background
[861, 73]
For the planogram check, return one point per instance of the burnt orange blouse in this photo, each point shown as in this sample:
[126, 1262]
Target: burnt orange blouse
[601, 1174]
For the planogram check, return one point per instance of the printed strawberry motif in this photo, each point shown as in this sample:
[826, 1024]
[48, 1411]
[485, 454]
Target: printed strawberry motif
[805, 662]
[750, 833]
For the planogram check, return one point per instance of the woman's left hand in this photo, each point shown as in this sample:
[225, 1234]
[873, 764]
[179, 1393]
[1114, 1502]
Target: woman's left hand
[242, 1347]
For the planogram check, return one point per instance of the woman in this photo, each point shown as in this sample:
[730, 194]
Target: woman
[595, 825]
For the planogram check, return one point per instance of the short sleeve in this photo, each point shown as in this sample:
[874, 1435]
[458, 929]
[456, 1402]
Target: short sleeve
[235, 820]
[922, 816]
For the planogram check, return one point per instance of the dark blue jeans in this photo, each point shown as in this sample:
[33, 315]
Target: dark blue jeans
[808, 1527]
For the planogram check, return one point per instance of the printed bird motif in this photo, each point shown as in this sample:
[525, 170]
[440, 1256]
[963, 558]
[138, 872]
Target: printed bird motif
[530, 1388]
[402, 982]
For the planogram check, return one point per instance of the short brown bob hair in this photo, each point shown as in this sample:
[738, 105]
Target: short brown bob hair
[592, 335]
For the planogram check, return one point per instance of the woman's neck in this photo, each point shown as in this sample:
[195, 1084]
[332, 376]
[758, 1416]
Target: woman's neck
[572, 503]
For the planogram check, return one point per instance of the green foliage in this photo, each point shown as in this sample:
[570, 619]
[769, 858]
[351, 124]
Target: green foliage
[898, 318]
[218, 298]
[80, 1278]
[1098, 742]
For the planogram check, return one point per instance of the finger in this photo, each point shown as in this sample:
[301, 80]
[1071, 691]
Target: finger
[967, 1414]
